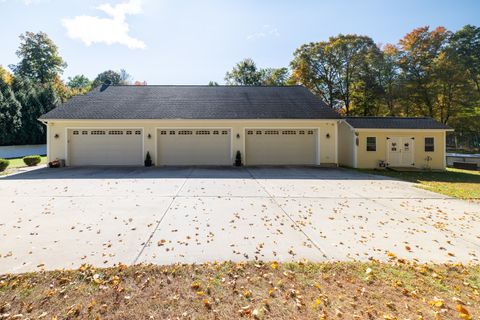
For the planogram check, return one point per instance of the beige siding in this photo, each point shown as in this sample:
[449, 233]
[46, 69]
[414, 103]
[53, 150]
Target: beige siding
[57, 147]
[281, 146]
[346, 144]
[369, 159]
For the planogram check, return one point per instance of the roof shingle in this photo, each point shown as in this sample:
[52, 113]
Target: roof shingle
[194, 102]
[395, 123]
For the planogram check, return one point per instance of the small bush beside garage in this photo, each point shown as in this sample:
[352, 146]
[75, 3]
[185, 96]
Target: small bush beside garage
[32, 160]
[4, 163]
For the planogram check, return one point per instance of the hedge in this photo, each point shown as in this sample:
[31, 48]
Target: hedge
[4, 163]
[32, 160]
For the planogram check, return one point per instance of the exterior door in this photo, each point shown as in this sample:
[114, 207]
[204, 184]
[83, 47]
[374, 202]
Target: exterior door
[281, 146]
[105, 146]
[400, 151]
[204, 146]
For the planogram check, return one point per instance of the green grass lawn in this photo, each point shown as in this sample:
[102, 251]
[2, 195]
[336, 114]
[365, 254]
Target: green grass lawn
[463, 184]
[18, 163]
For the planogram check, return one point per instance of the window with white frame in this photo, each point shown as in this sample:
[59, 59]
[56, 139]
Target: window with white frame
[429, 144]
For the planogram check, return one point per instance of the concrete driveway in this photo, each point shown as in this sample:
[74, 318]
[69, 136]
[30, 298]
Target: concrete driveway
[61, 218]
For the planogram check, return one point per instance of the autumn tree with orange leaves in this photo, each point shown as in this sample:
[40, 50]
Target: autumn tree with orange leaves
[432, 73]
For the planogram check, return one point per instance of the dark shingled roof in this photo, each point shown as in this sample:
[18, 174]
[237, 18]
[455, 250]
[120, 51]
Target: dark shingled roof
[395, 123]
[194, 102]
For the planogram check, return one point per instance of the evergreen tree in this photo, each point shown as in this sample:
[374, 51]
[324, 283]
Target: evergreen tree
[10, 114]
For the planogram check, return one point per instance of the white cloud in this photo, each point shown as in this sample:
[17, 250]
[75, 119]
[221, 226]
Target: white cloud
[92, 29]
[267, 31]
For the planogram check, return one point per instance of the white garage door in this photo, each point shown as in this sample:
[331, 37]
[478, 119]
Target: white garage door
[281, 146]
[194, 147]
[105, 147]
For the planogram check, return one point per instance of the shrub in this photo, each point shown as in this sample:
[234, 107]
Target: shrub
[148, 160]
[4, 164]
[32, 160]
[238, 159]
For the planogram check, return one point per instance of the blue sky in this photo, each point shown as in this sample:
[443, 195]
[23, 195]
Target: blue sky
[193, 41]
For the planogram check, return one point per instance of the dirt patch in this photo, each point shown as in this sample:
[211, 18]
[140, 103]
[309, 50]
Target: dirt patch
[343, 290]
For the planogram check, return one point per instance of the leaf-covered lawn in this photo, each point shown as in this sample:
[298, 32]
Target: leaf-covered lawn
[463, 184]
[336, 290]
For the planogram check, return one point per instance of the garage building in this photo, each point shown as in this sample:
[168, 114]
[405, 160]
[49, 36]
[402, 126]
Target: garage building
[193, 125]
[208, 125]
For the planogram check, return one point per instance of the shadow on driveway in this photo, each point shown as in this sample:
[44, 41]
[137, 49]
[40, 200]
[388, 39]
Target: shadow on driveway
[254, 172]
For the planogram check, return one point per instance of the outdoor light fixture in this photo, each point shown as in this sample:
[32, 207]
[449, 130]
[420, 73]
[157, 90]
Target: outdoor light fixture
[56, 136]
[149, 136]
[238, 135]
[328, 136]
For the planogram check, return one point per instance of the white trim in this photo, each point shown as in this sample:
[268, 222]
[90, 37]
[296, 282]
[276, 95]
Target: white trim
[67, 159]
[444, 150]
[355, 150]
[336, 142]
[48, 143]
[348, 124]
[193, 128]
[317, 142]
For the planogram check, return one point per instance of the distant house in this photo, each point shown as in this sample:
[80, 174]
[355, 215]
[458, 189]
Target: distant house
[207, 125]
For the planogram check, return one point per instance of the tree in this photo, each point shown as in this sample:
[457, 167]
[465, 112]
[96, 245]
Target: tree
[79, 82]
[10, 114]
[114, 77]
[367, 90]
[315, 67]
[466, 44]
[331, 68]
[389, 80]
[350, 52]
[419, 50]
[5, 75]
[40, 60]
[275, 76]
[36, 99]
[244, 73]
[213, 84]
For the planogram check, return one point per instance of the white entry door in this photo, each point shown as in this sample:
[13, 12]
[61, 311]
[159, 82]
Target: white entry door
[400, 151]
